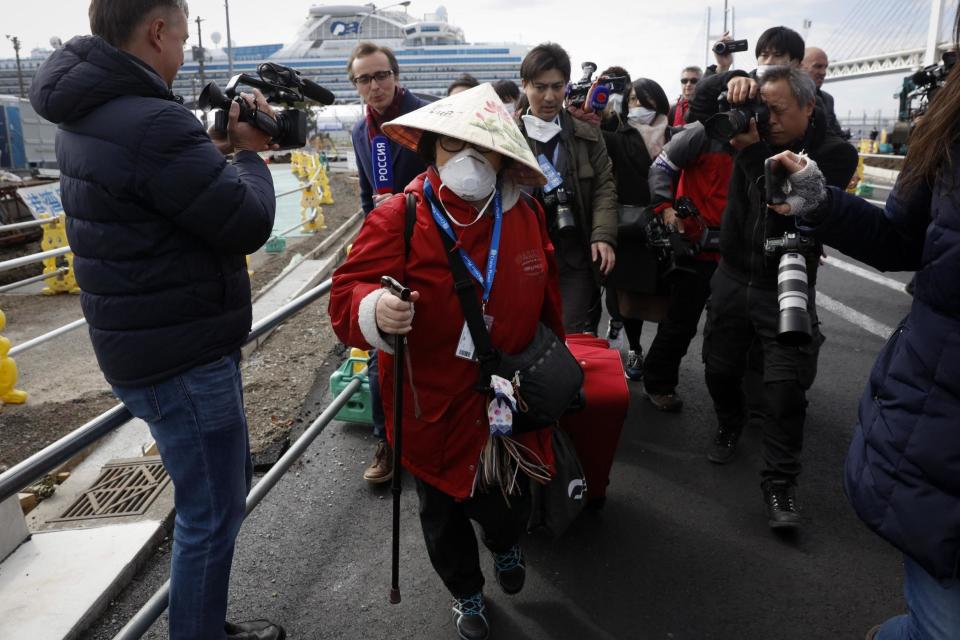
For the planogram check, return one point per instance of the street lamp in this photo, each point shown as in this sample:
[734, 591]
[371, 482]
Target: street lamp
[376, 9]
[16, 49]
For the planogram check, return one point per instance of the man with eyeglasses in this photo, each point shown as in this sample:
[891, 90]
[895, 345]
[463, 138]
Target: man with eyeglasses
[384, 168]
[689, 78]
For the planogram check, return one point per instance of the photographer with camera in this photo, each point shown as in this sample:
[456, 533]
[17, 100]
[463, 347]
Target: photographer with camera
[903, 467]
[159, 223]
[694, 167]
[744, 290]
[580, 198]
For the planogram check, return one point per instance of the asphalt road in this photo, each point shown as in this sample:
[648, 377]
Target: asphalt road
[681, 551]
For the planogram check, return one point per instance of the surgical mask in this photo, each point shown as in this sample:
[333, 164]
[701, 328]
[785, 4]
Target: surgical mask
[615, 102]
[540, 130]
[469, 175]
[641, 115]
[510, 106]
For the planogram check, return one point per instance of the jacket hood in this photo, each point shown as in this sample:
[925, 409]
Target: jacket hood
[87, 73]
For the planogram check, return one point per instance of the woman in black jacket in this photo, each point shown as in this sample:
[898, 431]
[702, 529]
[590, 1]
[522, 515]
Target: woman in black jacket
[632, 288]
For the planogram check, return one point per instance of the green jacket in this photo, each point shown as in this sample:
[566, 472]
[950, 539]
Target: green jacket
[596, 195]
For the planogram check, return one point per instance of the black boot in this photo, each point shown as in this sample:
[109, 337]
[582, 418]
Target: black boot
[781, 500]
[254, 630]
[470, 616]
[724, 446]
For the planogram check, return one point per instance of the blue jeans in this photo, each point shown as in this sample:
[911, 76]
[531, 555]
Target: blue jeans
[934, 610]
[198, 421]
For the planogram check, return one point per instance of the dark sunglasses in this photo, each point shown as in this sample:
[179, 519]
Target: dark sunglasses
[689, 80]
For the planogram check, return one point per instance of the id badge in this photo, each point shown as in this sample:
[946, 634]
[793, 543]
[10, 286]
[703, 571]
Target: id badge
[554, 179]
[465, 347]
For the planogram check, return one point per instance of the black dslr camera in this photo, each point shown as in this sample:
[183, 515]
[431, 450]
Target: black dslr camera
[673, 248]
[731, 121]
[279, 85]
[558, 202]
[793, 323]
[577, 92]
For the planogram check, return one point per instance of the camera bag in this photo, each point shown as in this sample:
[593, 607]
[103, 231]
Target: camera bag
[547, 379]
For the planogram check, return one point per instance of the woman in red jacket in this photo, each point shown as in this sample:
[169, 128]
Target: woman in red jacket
[477, 161]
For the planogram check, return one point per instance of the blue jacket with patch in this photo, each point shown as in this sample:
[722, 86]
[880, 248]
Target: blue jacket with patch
[903, 468]
[159, 222]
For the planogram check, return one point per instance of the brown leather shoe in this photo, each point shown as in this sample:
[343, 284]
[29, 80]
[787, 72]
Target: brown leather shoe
[381, 469]
[669, 402]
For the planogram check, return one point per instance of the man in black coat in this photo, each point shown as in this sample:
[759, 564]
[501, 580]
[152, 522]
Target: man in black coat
[744, 298]
[159, 223]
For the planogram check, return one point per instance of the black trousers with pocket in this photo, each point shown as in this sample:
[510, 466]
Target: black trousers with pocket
[450, 539]
[737, 315]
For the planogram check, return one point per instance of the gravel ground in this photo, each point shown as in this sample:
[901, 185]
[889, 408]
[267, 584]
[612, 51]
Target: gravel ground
[67, 389]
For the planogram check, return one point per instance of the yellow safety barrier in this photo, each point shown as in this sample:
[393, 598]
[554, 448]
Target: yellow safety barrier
[324, 180]
[9, 394]
[55, 237]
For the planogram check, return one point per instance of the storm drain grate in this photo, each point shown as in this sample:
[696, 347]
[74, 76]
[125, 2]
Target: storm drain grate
[124, 488]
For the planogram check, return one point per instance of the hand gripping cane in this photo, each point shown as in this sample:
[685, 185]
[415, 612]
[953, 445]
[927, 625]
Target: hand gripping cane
[399, 344]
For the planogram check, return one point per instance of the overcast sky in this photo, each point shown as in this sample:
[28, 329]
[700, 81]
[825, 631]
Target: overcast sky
[651, 39]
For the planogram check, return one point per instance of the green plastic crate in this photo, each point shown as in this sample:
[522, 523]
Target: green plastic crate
[359, 408]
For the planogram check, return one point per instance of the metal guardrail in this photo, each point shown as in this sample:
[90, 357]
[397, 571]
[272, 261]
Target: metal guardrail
[43, 276]
[302, 223]
[47, 459]
[26, 225]
[148, 614]
[6, 265]
[46, 337]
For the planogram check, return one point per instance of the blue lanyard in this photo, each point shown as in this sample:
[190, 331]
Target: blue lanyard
[485, 282]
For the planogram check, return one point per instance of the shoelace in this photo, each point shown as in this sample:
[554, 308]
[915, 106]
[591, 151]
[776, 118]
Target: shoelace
[508, 559]
[472, 606]
[781, 500]
[726, 438]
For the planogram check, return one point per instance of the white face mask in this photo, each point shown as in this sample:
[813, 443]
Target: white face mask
[510, 106]
[615, 102]
[469, 175]
[540, 130]
[641, 115]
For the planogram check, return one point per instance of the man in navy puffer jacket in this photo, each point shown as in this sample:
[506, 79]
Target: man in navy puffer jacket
[159, 223]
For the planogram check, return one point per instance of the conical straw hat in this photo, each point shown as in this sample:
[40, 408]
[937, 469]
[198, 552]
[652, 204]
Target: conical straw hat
[478, 116]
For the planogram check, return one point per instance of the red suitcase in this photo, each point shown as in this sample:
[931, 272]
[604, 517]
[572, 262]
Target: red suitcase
[596, 428]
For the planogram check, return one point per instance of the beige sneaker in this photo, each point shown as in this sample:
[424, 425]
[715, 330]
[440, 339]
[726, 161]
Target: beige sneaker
[381, 469]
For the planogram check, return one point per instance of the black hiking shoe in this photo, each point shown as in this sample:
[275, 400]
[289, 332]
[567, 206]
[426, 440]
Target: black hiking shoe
[724, 445]
[510, 569]
[780, 498]
[470, 616]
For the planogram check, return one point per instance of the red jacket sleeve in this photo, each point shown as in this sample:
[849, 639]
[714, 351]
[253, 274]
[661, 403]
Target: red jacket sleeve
[377, 251]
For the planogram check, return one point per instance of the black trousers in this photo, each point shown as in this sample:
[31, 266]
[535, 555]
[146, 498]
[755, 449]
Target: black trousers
[451, 542]
[631, 326]
[737, 315]
[579, 292]
[689, 291]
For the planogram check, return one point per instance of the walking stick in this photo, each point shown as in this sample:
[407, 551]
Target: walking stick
[399, 347]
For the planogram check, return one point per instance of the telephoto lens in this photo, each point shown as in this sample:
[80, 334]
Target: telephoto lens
[793, 324]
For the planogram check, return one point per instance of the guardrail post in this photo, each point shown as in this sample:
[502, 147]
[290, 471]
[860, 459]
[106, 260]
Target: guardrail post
[55, 237]
[325, 190]
[8, 371]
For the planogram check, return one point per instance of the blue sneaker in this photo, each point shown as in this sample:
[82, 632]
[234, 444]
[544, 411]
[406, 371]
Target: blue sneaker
[470, 616]
[510, 570]
[634, 369]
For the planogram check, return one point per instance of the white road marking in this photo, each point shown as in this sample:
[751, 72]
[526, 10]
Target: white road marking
[853, 316]
[896, 285]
